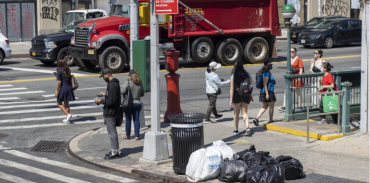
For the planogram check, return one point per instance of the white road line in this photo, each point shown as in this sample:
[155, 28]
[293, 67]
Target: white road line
[90, 88]
[12, 178]
[9, 98]
[46, 104]
[25, 102]
[51, 95]
[50, 117]
[71, 167]
[46, 110]
[38, 171]
[5, 86]
[34, 70]
[18, 93]
[9, 89]
[75, 122]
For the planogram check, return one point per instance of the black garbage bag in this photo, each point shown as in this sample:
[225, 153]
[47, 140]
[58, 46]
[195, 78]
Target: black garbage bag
[253, 175]
[273, 174]
[259, 159]
[232, 171]
[293, 167]
[239, 155]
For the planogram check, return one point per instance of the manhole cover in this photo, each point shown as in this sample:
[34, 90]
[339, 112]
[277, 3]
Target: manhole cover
[49, 146]
[318, 178]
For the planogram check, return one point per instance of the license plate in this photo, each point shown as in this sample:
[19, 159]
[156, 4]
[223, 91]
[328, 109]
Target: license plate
[90, 52]
[33, 54]
[294, 36]
[303, 41]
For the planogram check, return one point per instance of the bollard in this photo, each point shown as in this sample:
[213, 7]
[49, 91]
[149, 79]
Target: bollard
[346, 86]
[172, 79]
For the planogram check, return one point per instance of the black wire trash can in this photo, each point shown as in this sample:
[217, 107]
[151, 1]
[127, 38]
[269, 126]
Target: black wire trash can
[187, 136]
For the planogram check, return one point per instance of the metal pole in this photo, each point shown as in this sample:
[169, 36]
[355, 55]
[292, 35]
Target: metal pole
[319, 7]
[364, 68]
[134, 26]
[308, 118]
[346, 86]
[288, 93]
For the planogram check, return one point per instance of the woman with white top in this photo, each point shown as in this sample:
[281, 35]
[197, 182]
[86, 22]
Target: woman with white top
[316, 67]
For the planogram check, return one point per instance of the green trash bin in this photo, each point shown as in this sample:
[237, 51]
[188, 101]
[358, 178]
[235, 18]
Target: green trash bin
[141, 61]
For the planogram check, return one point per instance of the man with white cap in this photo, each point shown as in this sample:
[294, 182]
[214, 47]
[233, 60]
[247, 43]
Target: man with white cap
[213, 89]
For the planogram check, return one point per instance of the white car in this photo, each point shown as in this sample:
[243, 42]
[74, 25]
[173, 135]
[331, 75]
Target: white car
[5, 50]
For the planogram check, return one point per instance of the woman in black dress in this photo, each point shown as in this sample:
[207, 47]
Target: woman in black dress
[64, 92]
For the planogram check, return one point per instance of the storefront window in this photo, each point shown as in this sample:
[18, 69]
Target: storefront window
[13, 21]
[28, 21]
[3, 19]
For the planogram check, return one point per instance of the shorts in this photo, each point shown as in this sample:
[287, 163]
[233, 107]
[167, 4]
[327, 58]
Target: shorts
[237, 98]
[272, 97]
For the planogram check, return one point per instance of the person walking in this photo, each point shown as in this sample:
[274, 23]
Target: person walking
[316, 67]
[111, 102]
[267, 94]
[213, 84]
[64, 92]
[297, 68]
[238, 77]
[327, 82]
[137, 90]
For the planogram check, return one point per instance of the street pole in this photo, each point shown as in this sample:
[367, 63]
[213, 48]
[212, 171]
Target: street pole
[319, 7]
[155, 142]
[365, 77]
[133, 25]
[288, 93]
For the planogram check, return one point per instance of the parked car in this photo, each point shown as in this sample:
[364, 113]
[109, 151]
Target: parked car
[331, 33]
[5, 50]
[309, 25]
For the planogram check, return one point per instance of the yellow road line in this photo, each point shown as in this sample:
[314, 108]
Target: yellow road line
[93, 75]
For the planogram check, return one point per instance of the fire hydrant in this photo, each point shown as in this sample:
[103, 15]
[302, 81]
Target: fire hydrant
[172, 79]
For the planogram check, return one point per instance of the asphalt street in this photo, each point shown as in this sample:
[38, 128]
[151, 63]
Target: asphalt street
[28, 110]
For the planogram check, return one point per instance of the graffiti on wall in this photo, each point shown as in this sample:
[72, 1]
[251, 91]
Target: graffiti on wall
[335, 8]
[13, 19]
[28, 27]
[49, 9]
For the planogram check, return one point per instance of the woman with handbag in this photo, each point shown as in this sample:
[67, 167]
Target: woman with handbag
[239, 75]
[316, 67]
[327, 82]
[213, 88]
[64, 92]
[297, 67]
[135, 85]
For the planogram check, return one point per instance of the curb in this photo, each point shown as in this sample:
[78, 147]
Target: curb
[134, 172]
[301, 132]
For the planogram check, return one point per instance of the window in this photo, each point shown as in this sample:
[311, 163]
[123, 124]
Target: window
[94, 15]
[120, 10]
[343, 25]
[79, 16]
[355, 24]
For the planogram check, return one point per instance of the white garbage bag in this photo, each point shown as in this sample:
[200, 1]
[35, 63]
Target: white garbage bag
[204, 164]
[227, 151]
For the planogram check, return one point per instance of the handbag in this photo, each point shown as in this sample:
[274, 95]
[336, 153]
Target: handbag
[127, 99]
[293, 70]
[74, 83]
[218, 91]
[330, 102]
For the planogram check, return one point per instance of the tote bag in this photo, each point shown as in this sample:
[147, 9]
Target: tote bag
[330, 102]
[127, 98]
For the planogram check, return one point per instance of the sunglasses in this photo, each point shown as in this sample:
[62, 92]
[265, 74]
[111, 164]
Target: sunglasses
[292, 51]
[315, 53]
[269, 64]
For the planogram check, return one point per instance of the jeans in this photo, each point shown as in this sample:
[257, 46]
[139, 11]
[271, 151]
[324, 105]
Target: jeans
[212, 97]
[112, 132]
[133, 112]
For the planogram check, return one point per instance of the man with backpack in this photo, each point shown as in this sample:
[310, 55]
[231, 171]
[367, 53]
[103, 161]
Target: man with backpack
[266, 82]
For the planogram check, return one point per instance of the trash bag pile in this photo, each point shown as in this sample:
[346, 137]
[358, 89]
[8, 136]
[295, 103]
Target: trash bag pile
[220, 161]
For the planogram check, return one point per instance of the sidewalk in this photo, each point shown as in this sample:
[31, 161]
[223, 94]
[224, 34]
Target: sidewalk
[20, 49]
[319, 157]
[283, 35]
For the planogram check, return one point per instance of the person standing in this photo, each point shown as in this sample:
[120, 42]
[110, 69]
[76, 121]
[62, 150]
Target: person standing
[267, 94]
[111, 102]
[239, 75]
[213, 84]
[133, 112]
[64, 92]
[316, 67]
[326, 83]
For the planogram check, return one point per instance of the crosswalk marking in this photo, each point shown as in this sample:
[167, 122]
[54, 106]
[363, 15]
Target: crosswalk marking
[49, 117]
[45, 110]
[51, 95]
[35, 70]
[51, 124]
[46, 104]
[91, 88]
[38, 171]
[9, 98]
[10, 89]
[24, 102]
[12, 178]
[69, 166]
[5, 86]
[18, 93]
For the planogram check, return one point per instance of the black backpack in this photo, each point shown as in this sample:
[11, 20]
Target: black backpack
[245, 88]
[259, 79]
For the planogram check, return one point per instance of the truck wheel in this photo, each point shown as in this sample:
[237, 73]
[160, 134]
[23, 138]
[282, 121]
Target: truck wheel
[47, 62]
[113, 58]
[202, 50]
[64, 54]
[256, 50]
[229, 51]
[84, 64]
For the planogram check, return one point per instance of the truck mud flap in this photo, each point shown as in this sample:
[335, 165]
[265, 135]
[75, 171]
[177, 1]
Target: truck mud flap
[80, 63]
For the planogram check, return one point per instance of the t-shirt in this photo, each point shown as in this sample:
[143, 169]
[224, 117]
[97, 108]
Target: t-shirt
[327, 80]
[270, 82]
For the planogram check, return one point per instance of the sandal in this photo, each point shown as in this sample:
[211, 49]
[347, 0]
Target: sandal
[137, 138]
[125, 137]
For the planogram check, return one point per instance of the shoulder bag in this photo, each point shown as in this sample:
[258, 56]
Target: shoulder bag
[127, 98]
[74, 83]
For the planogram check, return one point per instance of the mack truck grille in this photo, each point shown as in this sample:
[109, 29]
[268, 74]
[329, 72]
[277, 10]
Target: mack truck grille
[38, 44]
[82, 36]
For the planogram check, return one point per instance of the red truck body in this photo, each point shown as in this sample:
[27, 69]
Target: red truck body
[246, 29]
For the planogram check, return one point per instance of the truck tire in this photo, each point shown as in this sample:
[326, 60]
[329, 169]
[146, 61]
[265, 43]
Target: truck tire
[64, 53]
[86, 64]
[114, 58]
[256, 50]
[202, 50]
[229, 51]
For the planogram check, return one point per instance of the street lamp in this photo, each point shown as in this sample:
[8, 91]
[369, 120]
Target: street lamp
[288, 12]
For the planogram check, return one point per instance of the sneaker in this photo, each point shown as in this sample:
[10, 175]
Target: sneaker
[207, 121]
[247, 132]
[256, 122]
[218, 117]
[236, 132]
[69, 117]
[110, 155]
[67, 122]
[281, 109]
[322, 121]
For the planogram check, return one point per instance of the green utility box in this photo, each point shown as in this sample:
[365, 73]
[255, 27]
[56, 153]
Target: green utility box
[141, 61]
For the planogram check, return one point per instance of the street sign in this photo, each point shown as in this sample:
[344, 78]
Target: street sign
[166, 7]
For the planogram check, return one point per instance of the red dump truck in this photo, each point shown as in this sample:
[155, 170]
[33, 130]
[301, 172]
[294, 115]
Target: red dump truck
[223, 30]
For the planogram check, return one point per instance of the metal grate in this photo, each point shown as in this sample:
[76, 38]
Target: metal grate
[318, 178]
[82, 36]
[49, 146]
[38, 44]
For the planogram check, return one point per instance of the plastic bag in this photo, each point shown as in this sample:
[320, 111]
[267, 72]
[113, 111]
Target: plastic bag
[257, 160]
[253, 175]
[227, 151]
[204, 164]
[232, 171]
[273, 174]
[293, 167]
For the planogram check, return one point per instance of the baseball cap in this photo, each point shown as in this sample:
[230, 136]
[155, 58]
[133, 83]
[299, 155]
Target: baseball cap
[214, 65]
[132, 71]
[105, 71]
